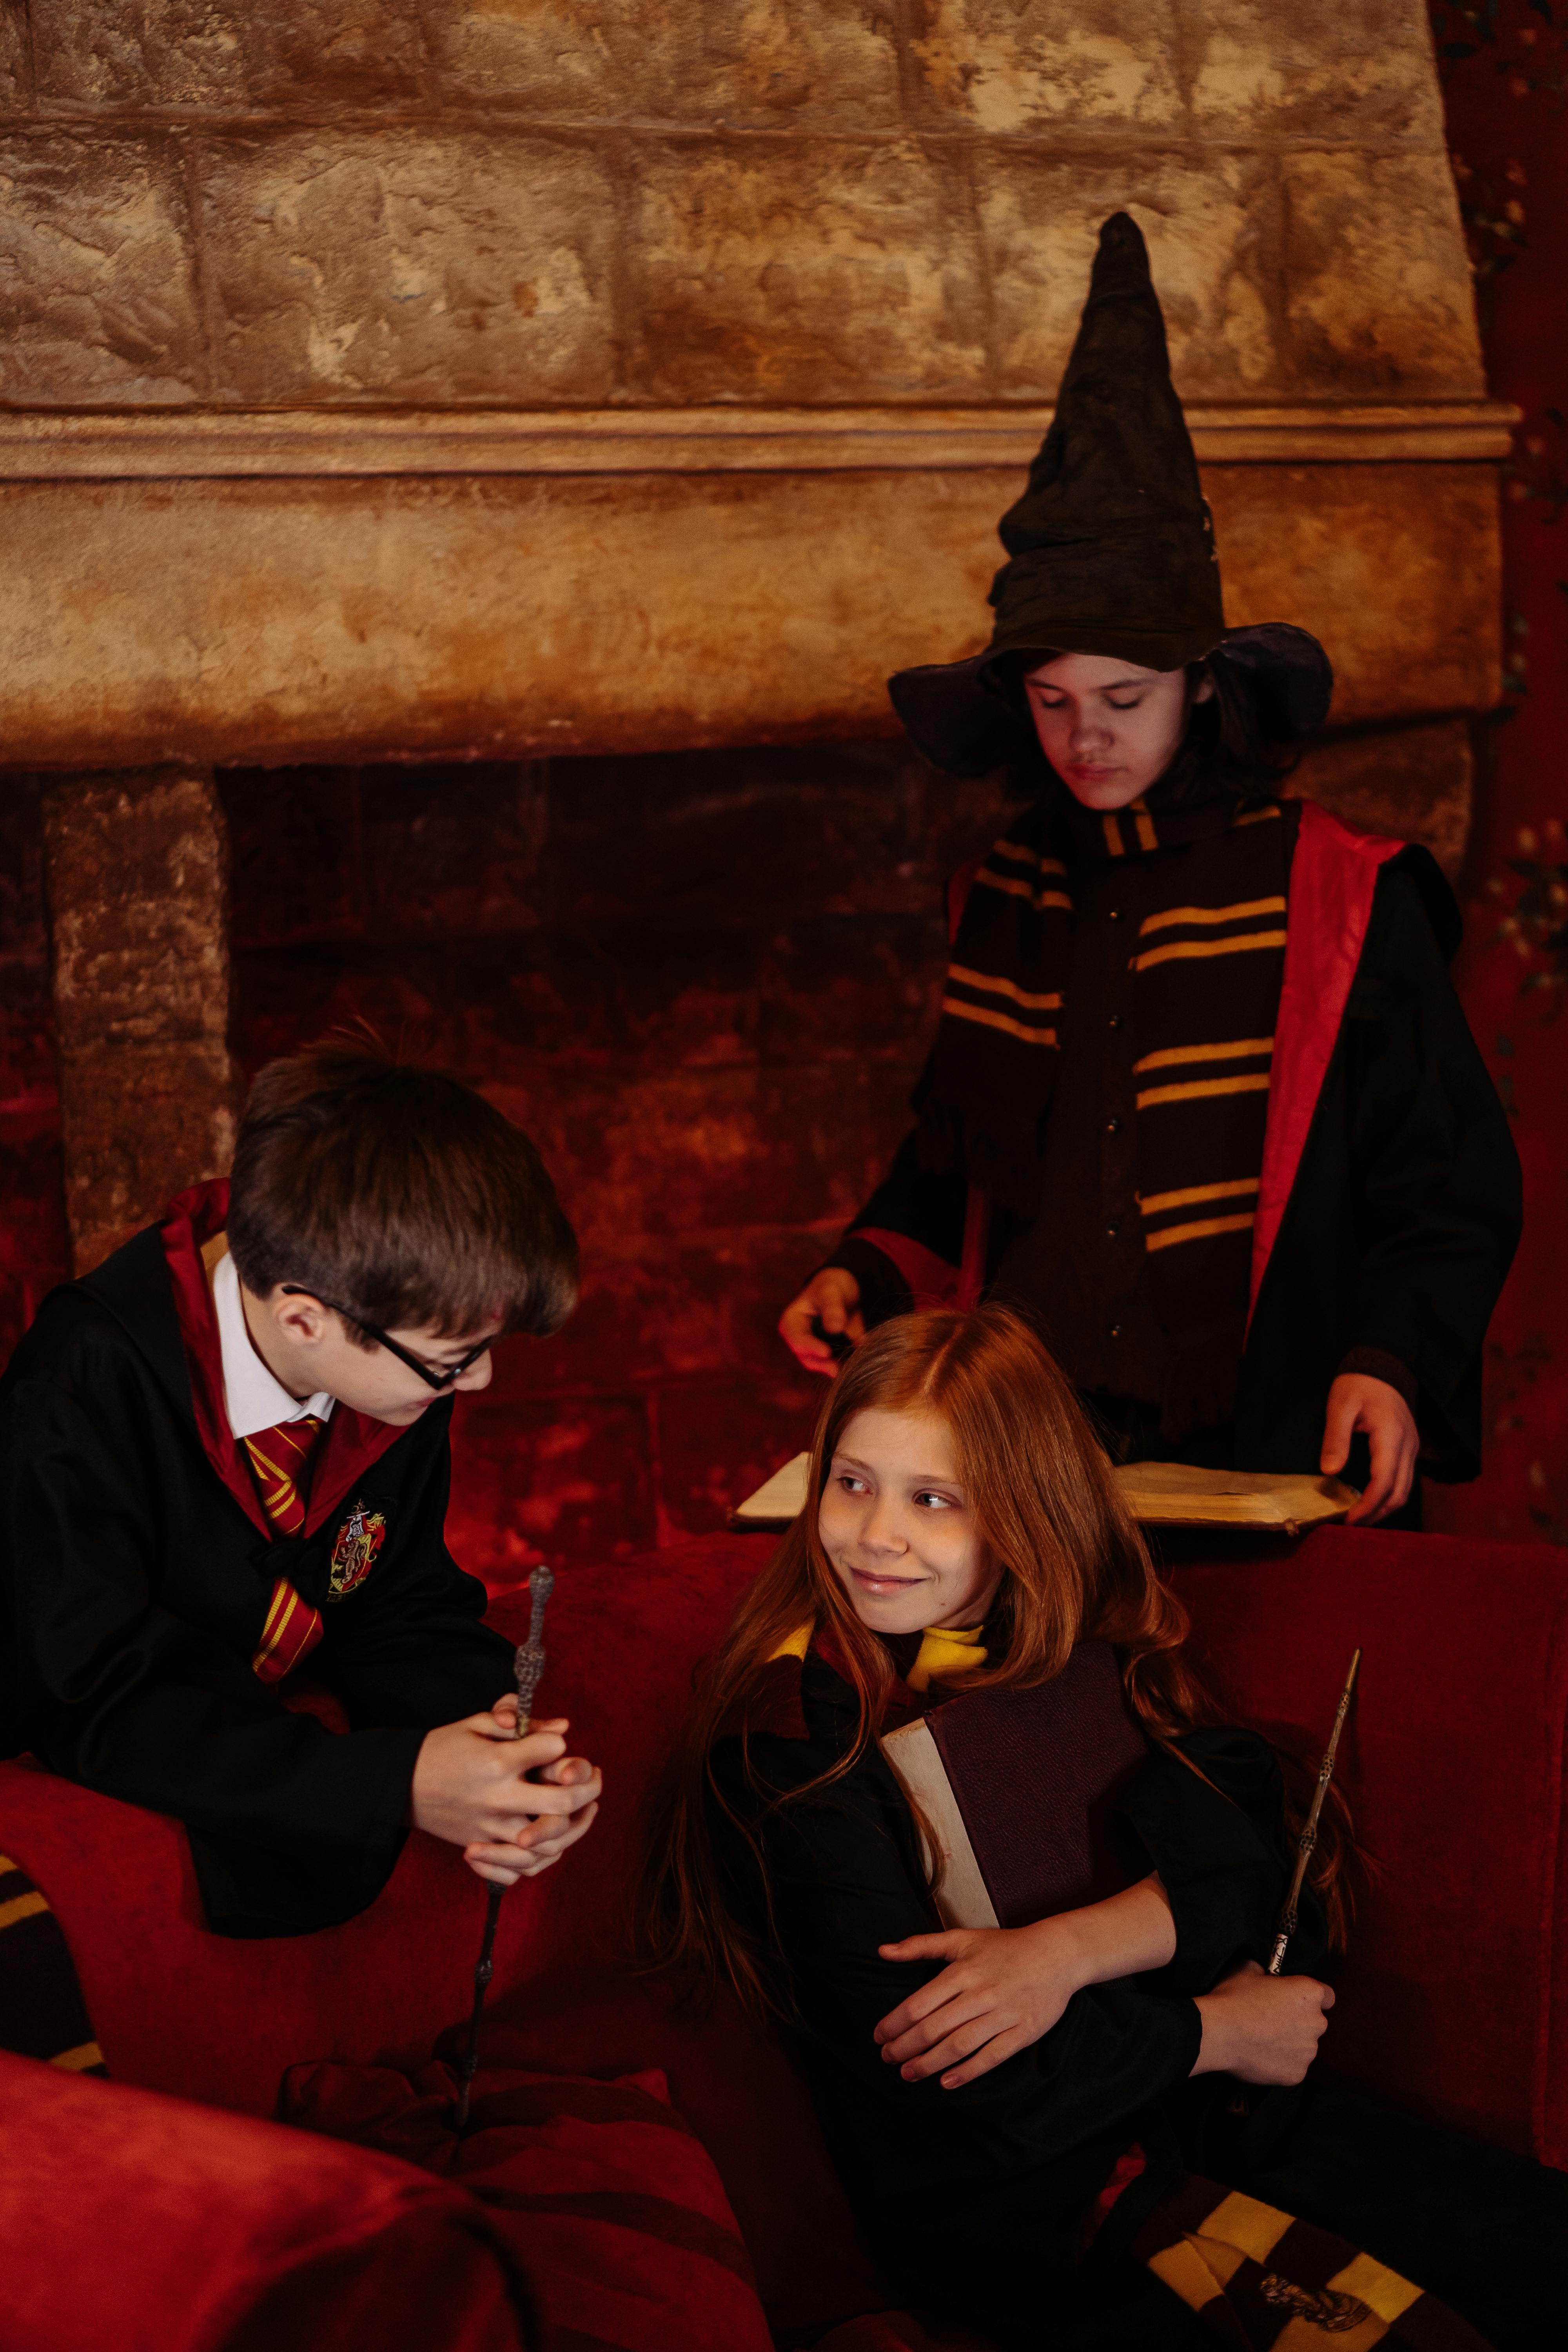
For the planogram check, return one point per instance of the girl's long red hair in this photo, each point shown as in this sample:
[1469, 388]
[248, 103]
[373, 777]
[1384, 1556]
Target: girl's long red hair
[1075, 1568]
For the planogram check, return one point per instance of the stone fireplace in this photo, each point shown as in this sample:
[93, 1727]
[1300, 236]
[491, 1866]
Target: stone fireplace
[467, 473]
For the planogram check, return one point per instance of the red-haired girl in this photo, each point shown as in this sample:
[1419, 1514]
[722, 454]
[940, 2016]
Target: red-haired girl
[979, 2089]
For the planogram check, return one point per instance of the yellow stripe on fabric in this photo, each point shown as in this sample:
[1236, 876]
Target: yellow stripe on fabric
[989, 1020]
[1381, 2289]
[1256, 816]
[946, 1650]
[1247, 2223]
[1254, 1082]
[1169, 1056]
[1021, 856]
[1147, 836]
[1020, 890]
[1182, 2268]
[1198, 1232]
[1243, 907]
[273, 1633]
[76, 2061]
[22, 1907]
[1050, 1001]
[796, 1645]
[1190, 948]
[282, 1593]
[1191, 1194]
[1112, 836]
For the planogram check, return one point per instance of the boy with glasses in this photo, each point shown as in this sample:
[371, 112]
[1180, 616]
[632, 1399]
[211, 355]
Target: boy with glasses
[224, 1469]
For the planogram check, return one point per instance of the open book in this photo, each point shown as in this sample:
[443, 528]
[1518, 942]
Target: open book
[1162, 1494]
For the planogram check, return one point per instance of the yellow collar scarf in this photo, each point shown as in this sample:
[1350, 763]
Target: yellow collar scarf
[945, 1651]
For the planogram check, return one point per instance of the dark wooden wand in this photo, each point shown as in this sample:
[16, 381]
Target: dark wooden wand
[1285, 1926]
[528, 1665]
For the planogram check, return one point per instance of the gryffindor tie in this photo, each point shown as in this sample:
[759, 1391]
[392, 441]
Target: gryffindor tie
[280, 1462]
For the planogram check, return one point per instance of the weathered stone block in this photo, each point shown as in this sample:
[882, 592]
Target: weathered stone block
[1276, 70]
[712, 60]
[1212, 229]
[809, 272]
[15, 77]
[95, 253]
[146, 620]
[408, 265]
[1013, 66]
[135, 869]
[136, 882]
[1378, 297]
[139, 1122]
[222, 53]
[1395, 568]
[1414, 781]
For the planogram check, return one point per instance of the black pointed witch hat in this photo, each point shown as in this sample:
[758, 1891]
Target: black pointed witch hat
[1111, 548]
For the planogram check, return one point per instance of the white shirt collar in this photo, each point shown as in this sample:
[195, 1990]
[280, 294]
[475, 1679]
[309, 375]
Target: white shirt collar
[252, 1398]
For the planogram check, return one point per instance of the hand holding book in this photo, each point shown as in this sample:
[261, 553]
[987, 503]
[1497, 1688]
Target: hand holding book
[1004, 1988]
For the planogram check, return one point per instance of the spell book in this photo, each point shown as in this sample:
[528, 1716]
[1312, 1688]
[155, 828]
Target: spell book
[1018, 1789]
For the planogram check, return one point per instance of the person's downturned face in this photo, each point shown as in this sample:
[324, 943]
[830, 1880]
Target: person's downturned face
[899, 1529]
[1108, 728]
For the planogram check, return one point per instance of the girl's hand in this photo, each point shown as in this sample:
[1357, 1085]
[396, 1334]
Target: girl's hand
[832, 1299]
[1357, 1402]
[1004, 1987]
[1263, 2029]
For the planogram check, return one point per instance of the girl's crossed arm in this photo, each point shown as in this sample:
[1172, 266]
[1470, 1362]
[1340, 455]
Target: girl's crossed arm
[1004, 1987]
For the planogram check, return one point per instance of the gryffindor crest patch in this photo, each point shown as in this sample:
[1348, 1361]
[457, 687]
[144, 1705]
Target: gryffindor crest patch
[360, 1538]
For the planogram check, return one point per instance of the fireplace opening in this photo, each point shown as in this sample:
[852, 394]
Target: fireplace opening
[704, 984]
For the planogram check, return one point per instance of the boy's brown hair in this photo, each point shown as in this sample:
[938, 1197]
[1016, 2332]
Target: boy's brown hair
[399, 1194]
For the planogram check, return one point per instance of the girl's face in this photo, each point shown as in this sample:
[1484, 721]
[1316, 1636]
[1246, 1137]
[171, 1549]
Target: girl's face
[897, 1524]
[1109, 728]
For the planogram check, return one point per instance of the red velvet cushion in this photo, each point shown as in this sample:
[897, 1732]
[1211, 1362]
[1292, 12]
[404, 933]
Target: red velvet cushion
[145, 2224]
[1454, 1997]
[605, 2195]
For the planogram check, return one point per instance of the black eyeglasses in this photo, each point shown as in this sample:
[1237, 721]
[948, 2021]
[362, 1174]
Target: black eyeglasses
[384, 1340]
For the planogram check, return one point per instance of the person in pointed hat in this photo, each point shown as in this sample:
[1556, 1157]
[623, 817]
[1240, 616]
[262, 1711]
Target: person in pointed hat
[1202, 1099]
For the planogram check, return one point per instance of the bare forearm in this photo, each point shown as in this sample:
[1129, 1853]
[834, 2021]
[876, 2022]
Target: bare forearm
[1122, 1936]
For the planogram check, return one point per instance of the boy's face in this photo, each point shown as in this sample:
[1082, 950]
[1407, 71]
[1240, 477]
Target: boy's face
[1110, 728]
[306, 1347]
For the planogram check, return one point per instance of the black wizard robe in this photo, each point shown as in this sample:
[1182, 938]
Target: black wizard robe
[137, 1567]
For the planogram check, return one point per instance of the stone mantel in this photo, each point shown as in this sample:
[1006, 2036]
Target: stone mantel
[45, 445]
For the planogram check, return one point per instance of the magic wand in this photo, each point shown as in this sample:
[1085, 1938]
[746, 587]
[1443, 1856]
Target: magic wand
[528, 1665]
[1285, 1926]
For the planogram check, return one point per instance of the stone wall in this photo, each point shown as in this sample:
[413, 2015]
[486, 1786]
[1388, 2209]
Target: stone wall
[529, 203]
[493, 377]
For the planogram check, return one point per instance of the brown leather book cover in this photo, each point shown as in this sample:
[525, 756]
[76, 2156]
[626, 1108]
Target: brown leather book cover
[1033, 1776]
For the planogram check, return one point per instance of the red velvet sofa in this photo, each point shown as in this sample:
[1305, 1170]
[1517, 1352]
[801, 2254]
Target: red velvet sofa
[1455, 2001]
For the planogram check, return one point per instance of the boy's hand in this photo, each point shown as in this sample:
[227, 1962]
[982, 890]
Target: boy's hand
[1263, 2029]
[1357, 1402]
[832, 1299]
[469, 1788]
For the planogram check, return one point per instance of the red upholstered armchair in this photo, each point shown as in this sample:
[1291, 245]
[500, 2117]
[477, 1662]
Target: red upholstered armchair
[1455, 2000]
